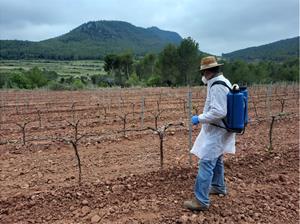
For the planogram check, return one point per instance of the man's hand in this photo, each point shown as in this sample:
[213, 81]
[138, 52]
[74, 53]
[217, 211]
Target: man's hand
[195, 120]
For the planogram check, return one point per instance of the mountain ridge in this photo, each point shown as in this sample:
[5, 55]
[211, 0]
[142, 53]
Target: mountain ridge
[95, 39]
[275, 51]
[92, 40]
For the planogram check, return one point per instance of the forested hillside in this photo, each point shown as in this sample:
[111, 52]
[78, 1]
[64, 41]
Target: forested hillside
[277, 51]
[92, 40]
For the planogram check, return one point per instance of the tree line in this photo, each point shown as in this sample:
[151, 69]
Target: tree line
[173, 66]
[179, 66]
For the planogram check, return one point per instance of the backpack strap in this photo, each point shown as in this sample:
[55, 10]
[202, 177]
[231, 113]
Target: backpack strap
[224, 121]
[221, 83]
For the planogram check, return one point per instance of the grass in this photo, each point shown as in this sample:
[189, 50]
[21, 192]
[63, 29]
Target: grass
[63, 68]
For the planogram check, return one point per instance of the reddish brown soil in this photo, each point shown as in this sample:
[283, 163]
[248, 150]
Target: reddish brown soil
[122, 181]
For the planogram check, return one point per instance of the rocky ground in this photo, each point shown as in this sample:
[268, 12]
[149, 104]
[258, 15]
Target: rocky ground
[122, 181]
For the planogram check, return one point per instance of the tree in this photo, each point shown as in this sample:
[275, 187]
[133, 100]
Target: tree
[110, 62]
[168, 65]
[119, 66]
[188, 60]
[126, 62]
[146, 67]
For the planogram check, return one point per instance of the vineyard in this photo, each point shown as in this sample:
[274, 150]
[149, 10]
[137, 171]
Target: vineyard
[122, 156]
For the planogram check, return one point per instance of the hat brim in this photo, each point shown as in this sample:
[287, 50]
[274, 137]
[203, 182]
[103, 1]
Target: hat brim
[210, 66]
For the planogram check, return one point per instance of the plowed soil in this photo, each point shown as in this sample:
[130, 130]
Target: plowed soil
[122, 181]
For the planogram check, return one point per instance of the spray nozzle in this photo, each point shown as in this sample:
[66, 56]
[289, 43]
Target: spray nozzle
[235, 87]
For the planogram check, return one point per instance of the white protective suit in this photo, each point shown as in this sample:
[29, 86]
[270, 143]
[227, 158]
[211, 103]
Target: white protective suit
[214, 141]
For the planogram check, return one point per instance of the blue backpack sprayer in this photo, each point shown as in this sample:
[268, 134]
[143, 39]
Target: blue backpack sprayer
[236, 119]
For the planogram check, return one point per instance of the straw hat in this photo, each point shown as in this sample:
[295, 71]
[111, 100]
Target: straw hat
[209, 62]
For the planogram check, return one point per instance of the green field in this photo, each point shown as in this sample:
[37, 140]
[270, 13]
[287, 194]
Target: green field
[63, 68]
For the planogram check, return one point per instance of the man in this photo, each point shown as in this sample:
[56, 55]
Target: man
[213, 141]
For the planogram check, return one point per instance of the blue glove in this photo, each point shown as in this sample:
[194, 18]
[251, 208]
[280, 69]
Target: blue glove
[195, 120]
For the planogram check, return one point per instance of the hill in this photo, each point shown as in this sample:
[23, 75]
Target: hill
[277, 51]
[92, 40]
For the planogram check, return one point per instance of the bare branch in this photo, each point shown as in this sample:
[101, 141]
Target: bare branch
[282, 102]
[74, 142]
[23, 130]
[161, 133]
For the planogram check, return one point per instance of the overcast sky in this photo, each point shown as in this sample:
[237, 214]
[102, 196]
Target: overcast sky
[219, 26]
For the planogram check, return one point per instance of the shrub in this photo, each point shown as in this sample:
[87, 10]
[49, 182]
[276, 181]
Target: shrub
[133, 80]
[77, 85]
[5, 81]
[154, 80]
[19, 81]
[53, 85]
[36, 78]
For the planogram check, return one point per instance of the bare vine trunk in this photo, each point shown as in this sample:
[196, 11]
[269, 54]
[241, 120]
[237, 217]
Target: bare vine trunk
[270, 148]
[78, 161]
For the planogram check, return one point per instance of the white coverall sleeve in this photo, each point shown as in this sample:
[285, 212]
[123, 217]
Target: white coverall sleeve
[218, 105]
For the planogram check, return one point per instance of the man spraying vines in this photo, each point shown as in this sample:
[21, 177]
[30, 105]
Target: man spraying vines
[213, 141]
